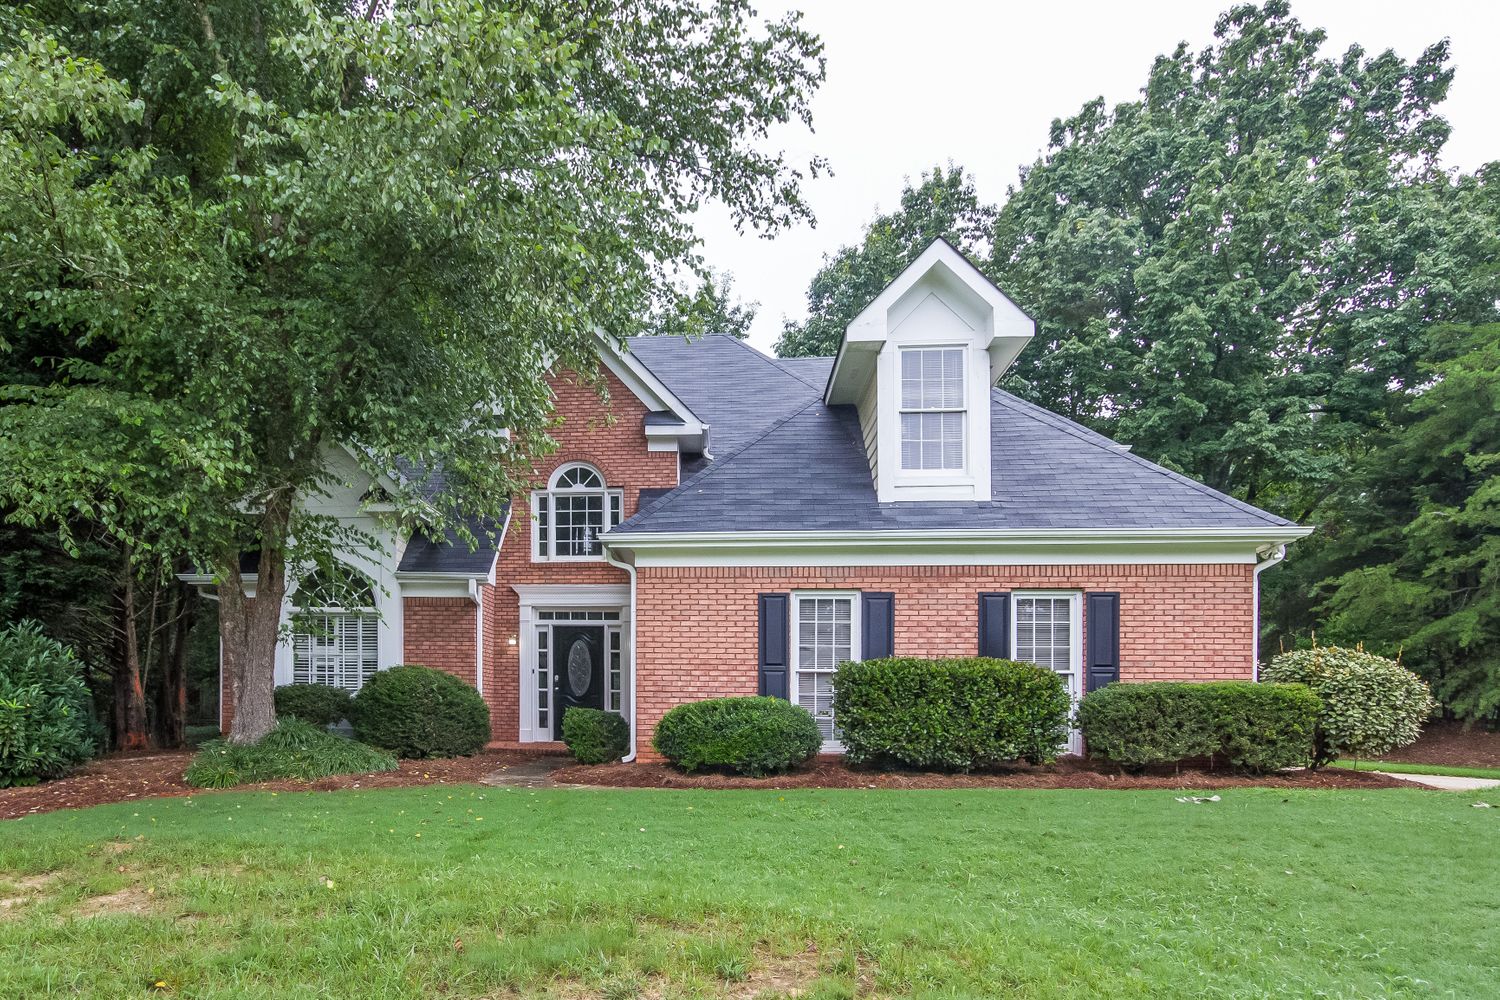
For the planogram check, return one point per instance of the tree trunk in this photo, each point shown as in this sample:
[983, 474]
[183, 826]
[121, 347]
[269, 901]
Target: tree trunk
[248, 627]
[130, 692]
[171, 713]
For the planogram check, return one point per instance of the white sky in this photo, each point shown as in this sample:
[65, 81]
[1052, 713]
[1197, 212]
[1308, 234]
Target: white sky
[914, 84]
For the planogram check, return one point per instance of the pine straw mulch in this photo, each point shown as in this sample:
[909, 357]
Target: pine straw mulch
[828, 771]
[127, 777]
[1446, 743]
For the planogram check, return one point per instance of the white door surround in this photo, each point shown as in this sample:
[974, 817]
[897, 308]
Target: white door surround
[544, 605]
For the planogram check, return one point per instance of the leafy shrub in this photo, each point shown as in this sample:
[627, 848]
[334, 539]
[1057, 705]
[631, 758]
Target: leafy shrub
[1371, 705]
[294, 751]
[1257, 727]
[952, 714]
[754, 736]
[595, 736]
[320, 704]
[417, 711]
[45, 720]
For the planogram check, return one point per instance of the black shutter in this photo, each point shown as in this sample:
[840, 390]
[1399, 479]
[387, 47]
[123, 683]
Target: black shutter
[877, 616]
[1102, 635]
[775, 641]
[994, 625]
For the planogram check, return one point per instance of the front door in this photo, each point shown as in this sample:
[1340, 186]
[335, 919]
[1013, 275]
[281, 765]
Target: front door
[577, 670]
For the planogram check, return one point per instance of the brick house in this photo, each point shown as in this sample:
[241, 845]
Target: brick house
[734, 524]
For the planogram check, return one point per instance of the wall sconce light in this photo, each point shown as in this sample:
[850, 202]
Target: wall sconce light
[511, 641]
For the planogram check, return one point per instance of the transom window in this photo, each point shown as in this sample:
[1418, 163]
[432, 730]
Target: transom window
[334, 631]
[825, 636]
[932, 408]
[571, 514]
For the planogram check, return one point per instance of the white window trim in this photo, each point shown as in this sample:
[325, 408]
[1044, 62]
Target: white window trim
[1073, 679]
[933, 477]
[855, 652]
[613, 499]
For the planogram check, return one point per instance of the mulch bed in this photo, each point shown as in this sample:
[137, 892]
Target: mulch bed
[1446, 743]
[831, 772]
[128, 777]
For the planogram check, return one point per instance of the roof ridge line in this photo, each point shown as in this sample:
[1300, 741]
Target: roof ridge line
[1071, 427]
[769, 361]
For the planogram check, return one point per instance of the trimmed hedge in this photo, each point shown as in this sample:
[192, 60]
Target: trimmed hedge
[1256, 727]
[595, 736]
[295, 750]
[45, 721]
[1371, 705]
[754, 736]
[416, 711]
[950, 714]
[320, 704]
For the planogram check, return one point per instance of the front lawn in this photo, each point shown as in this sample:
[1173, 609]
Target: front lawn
[466, 891]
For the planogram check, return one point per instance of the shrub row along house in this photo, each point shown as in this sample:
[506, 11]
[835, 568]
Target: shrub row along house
[732, 524]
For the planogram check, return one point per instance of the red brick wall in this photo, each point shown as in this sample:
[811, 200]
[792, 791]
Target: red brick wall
[439, 632]
[696, 629]
[612, 438]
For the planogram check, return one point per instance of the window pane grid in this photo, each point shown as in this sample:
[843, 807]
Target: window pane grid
[825, 638]
[340, 650]
[932, 408]
[616, 673]
[1044, 632]
[543, 678]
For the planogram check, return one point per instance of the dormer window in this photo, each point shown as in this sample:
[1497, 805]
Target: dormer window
[572, 513]
[933, 413]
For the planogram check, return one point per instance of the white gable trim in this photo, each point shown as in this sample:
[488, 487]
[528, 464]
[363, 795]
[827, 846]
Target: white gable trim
[653, 392]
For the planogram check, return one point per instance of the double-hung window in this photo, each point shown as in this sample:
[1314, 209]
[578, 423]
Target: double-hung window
[825, 634]
[571, 514]
[334, 633]
[933, 411]
[1047, 629]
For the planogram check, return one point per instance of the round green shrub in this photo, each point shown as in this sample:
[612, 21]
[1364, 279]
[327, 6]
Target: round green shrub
[45, 721]
[1371, 705]
[295, 750]
[1255, 727]
[416, 711]
[753, 736]
[320, 704]
[595, 736]
[949, 714]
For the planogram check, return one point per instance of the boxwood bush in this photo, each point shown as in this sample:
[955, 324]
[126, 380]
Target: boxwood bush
[1256, 727]
[295, 750]
[320, 704]
[754, 736]
[1371, 705]
[595, 736]
[949, 714]
[45, 722]
[416, 711]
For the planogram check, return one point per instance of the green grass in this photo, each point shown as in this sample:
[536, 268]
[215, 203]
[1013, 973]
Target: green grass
[294, 750]
[616, 894]
[1401, 767]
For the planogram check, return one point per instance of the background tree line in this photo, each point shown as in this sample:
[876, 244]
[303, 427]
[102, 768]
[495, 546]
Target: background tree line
[1258, 274]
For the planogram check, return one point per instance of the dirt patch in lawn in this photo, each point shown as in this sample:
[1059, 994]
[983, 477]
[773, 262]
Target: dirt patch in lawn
[1447, 743]
[831, 772]
[128, 778]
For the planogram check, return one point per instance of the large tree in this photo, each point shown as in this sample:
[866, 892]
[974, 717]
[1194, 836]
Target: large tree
[1234, 272]
[260, 230]
[944, 205]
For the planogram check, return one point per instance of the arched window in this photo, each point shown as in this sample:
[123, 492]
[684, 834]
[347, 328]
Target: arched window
[334, 638]
[570, 515]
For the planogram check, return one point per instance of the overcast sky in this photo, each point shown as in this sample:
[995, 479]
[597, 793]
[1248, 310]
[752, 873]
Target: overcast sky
[922, 82]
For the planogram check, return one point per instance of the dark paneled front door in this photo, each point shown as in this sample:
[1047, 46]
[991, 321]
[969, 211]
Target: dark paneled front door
[577, 670]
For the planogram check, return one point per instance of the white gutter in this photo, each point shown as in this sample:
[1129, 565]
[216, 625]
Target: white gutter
[1270, 535]
[630, 569]
[478, 600]
[1278, 553]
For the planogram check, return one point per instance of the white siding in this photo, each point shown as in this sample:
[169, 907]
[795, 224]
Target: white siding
[869, 425]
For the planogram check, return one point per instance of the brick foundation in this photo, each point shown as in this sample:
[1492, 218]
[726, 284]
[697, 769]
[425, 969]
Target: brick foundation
[696, 627]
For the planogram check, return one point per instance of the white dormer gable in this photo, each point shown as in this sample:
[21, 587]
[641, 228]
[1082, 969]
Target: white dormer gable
[918, 362]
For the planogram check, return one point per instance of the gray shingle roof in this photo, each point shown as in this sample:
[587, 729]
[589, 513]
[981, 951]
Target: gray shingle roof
[785, 461]
[450, 555]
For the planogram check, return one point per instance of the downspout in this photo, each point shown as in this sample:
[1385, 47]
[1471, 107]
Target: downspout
[478, 598]
[630, 569]
[1277, 554]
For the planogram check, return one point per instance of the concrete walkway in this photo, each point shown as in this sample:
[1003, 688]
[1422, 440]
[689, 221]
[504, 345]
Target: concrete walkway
[1447, 782]
[535, 773]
